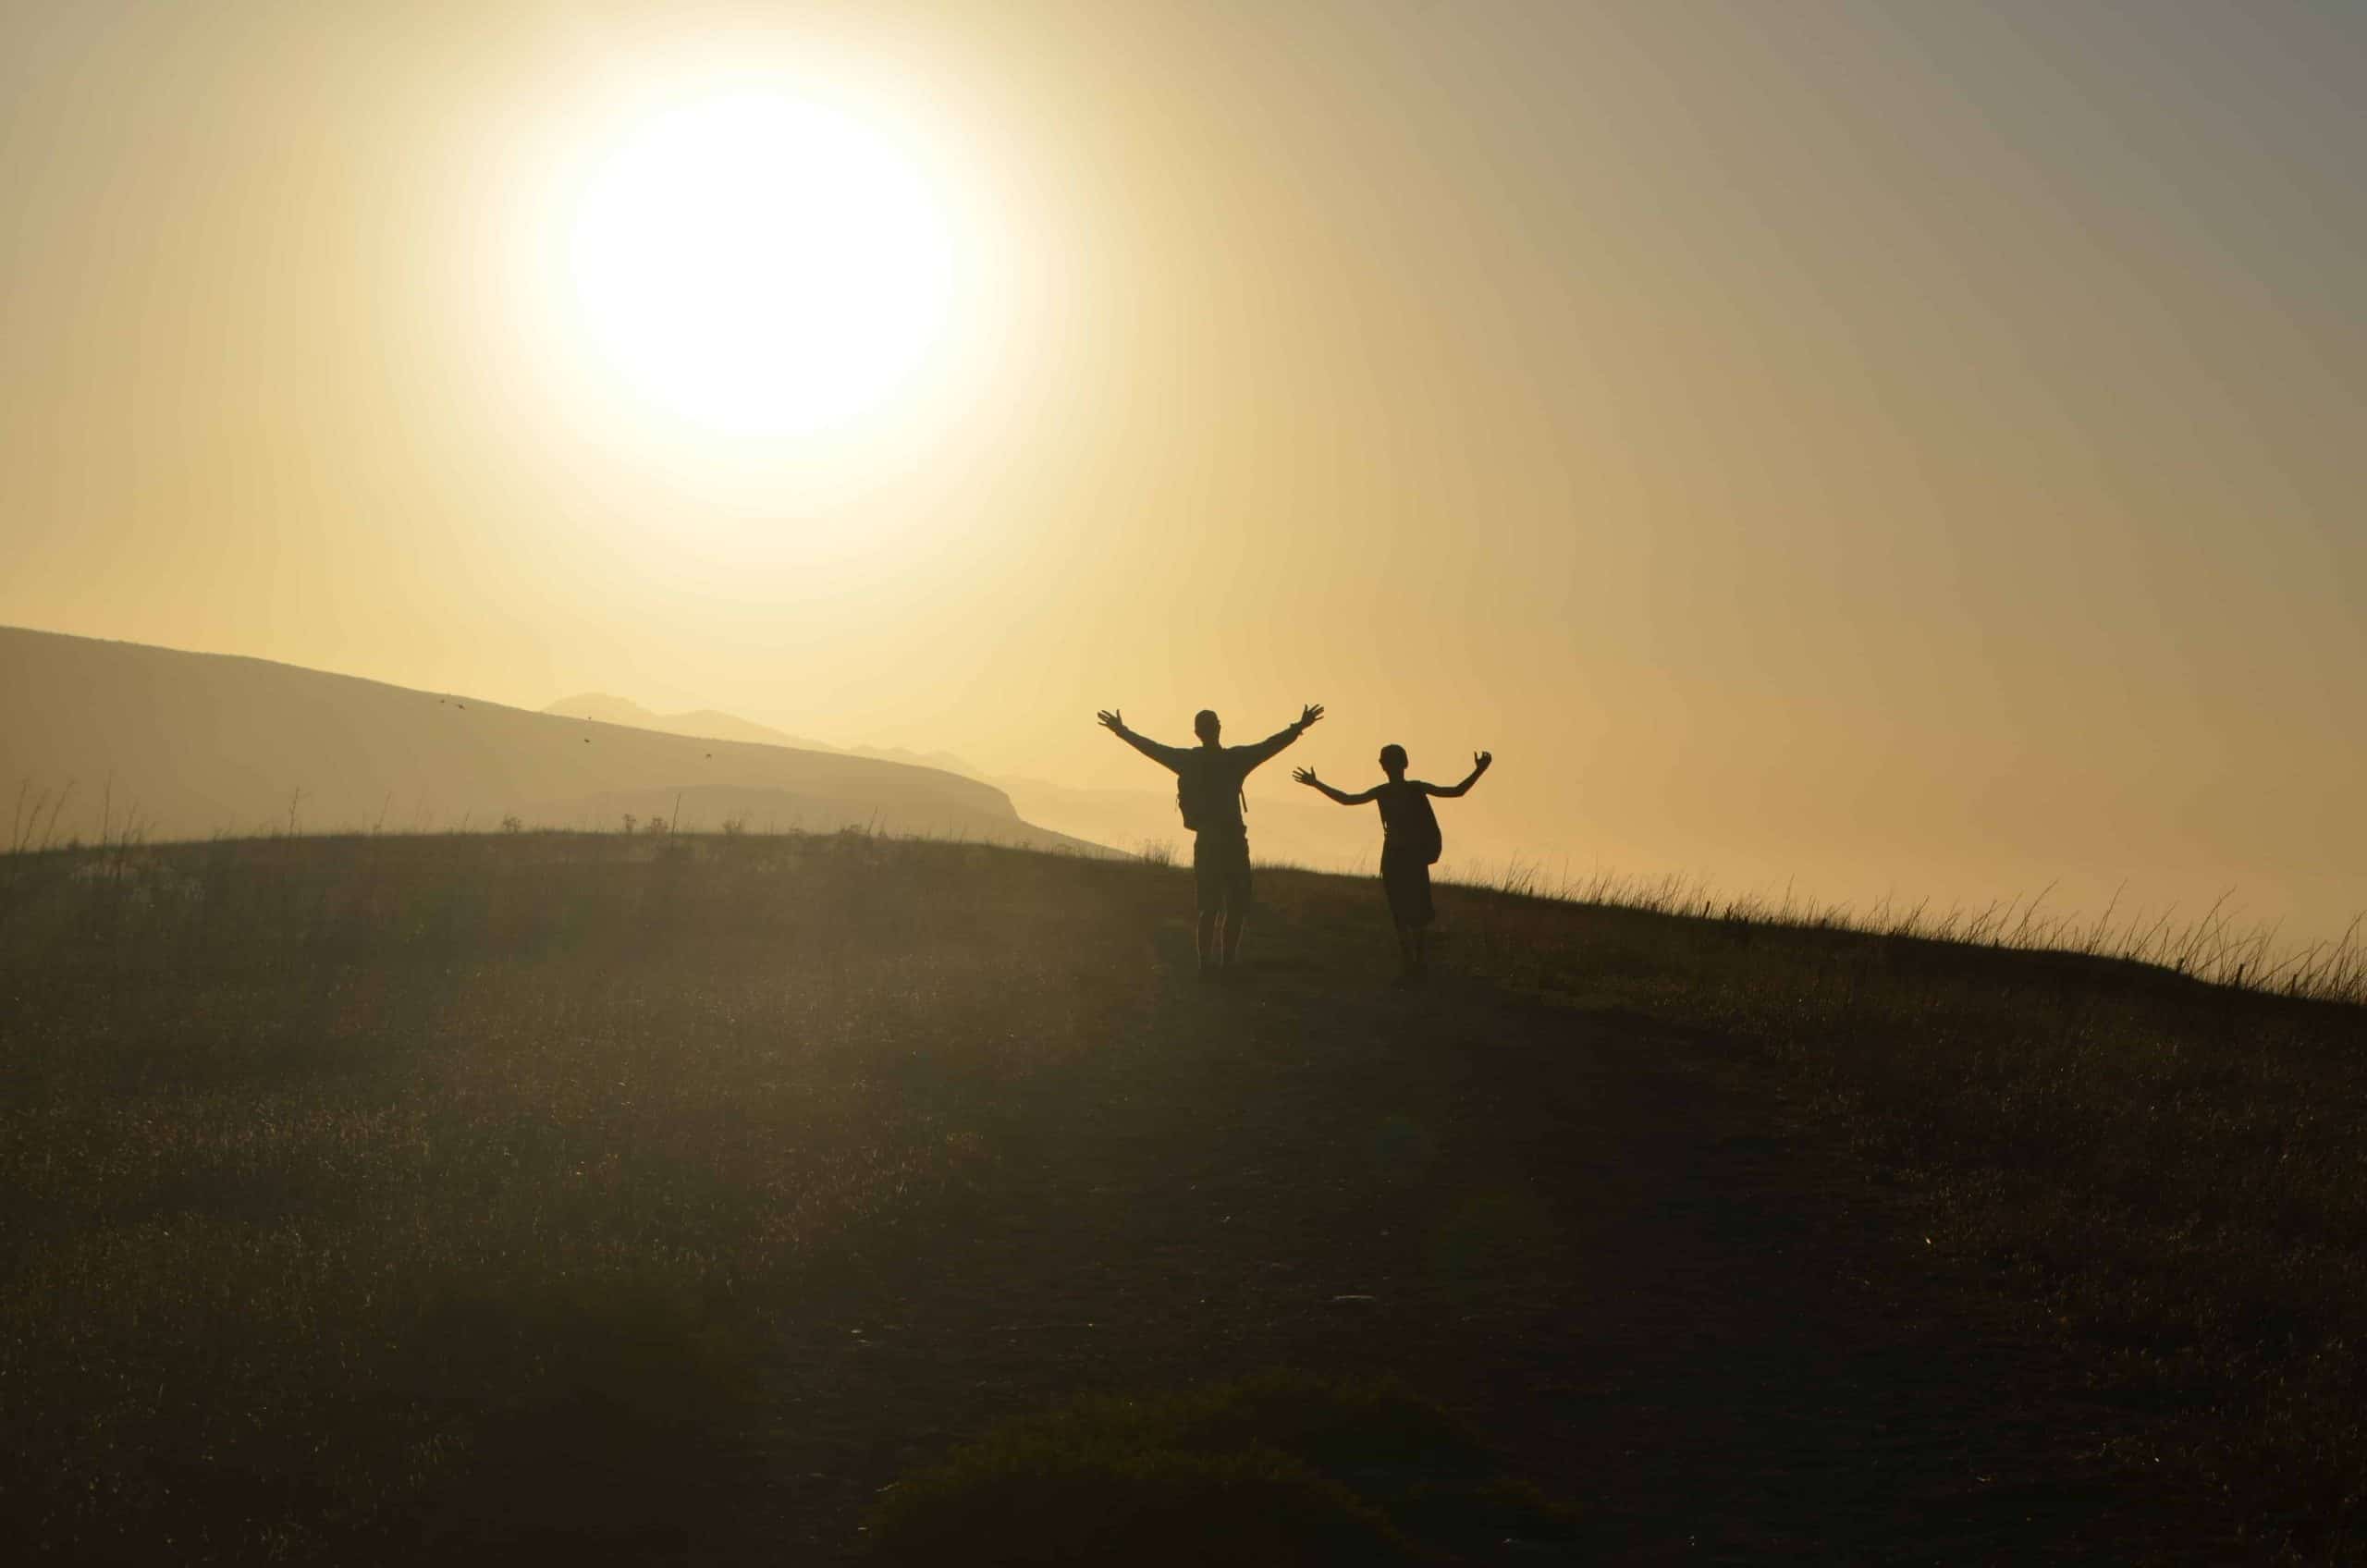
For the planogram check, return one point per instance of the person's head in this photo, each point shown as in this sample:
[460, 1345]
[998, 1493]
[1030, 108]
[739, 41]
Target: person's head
[1393, 761]
[1206, 726]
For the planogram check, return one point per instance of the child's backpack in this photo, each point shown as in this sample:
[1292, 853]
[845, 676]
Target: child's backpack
[1423, 831]
[1199, 793]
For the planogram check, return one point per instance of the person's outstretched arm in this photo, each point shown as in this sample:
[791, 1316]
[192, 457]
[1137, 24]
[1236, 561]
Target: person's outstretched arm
[1115, 722]
[1479, 761]
[1307, 777]
[1266, 748]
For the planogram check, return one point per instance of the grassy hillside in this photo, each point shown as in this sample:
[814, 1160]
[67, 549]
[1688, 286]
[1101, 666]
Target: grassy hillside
[96, 735]
[660, 1200]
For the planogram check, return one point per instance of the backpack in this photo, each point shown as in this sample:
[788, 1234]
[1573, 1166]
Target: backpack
[1200, 795]
[1422, 834]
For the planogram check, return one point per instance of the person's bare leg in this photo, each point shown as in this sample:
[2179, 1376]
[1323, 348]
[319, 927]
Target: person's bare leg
[1236, 916]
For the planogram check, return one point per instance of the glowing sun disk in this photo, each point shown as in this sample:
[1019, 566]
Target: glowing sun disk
[759, 264]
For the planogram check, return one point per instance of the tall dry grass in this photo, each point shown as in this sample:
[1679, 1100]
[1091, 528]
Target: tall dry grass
[2214, 944]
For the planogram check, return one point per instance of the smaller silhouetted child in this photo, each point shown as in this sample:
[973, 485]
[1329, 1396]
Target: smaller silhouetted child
[1409, 845]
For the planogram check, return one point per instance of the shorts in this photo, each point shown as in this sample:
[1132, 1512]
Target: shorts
[1220, 867]
[1406, 880]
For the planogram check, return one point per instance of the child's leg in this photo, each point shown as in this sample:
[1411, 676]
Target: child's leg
[1420, 912]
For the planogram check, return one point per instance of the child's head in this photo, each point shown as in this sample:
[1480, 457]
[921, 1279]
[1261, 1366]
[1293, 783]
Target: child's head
[1206, 724]
[1393, 761]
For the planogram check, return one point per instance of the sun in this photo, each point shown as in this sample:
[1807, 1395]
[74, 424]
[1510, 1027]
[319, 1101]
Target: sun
[759, 264]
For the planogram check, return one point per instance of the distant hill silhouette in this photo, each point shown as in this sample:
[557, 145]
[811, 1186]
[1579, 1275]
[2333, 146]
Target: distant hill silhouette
[705, 724]
[945, 760]
[197, 744]
[709, 724]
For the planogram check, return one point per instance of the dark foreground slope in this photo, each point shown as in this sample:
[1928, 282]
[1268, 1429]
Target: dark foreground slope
[366, 1200]
[97, 737]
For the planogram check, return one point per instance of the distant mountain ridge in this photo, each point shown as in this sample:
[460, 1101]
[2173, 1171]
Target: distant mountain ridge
[710, 725]
[188, 746]
[705, 724]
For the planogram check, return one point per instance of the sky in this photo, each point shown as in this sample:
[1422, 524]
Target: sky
[1906, 449]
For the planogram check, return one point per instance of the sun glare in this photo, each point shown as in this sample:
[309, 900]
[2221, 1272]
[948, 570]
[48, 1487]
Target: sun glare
[760, 265]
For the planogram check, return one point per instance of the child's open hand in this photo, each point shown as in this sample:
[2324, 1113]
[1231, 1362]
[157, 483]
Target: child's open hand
[1304, 776]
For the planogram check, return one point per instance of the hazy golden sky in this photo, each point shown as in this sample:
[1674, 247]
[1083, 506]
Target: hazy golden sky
[1887, 445]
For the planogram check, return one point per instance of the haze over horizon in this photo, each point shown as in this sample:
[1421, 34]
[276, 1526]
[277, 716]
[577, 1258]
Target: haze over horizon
[1884, 447]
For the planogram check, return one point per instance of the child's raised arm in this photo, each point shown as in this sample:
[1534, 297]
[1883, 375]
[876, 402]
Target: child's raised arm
[1479, 761]
[1307, 777]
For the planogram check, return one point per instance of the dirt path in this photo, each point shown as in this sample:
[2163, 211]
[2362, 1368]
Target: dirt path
[1708, 1336]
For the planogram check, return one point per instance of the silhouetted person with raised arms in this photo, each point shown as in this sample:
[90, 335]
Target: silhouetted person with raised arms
[1208, 777]
[1409, 845]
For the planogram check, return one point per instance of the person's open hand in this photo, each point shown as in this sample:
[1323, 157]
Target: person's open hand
[1479, 761]
[1313, 712]
[1112, 719]
[1304, 776]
